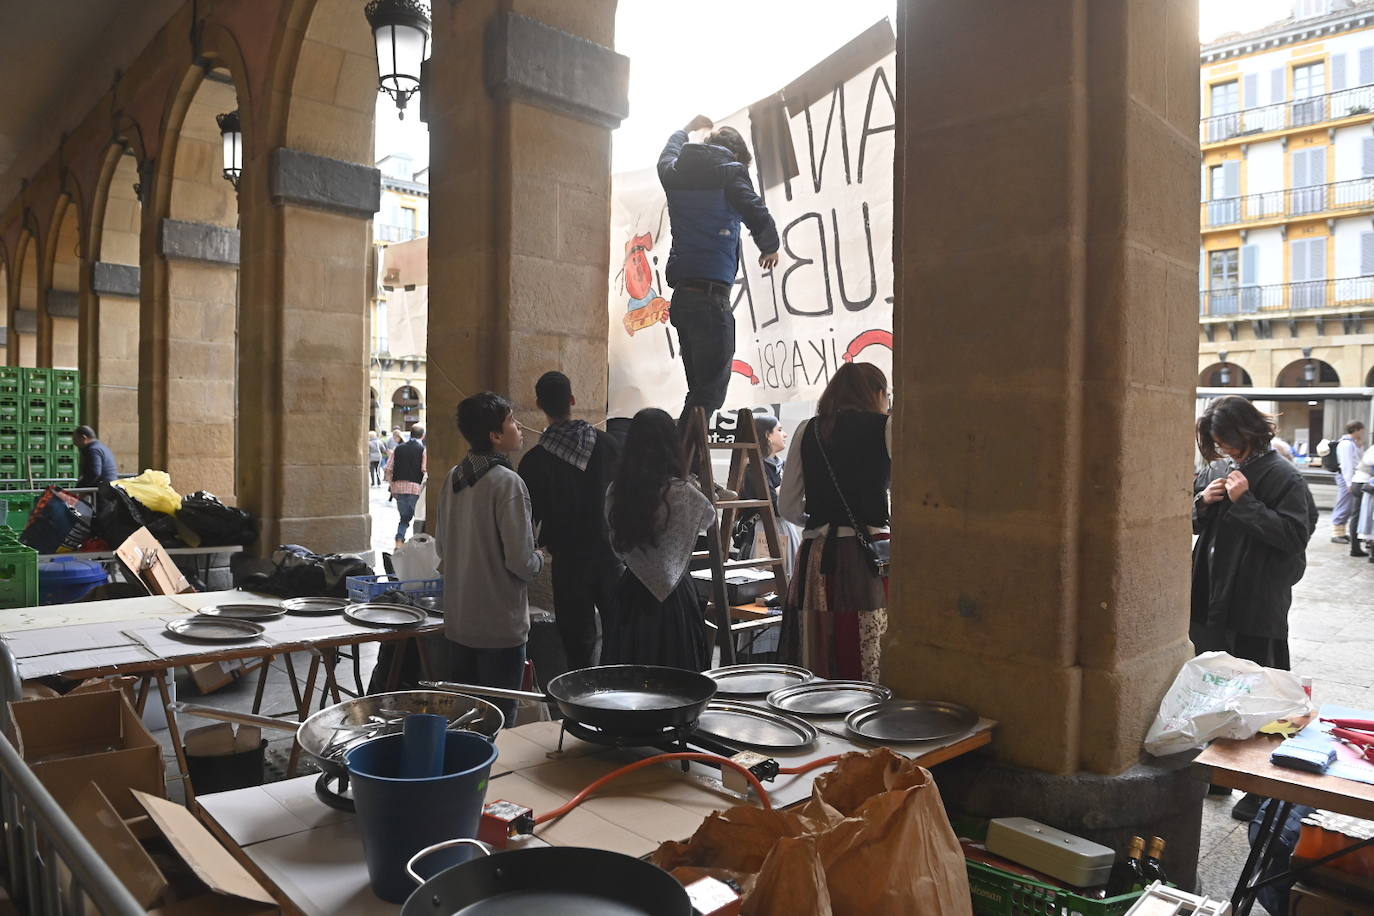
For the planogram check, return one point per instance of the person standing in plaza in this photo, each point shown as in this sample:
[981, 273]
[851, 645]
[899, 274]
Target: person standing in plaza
[567, 474]
[487, 551]
[839, 469]
[406, 470]
[1348, 449]
[97, 461]
[1362, 512]
[374, 457]
[709, 193]
[1253, 518]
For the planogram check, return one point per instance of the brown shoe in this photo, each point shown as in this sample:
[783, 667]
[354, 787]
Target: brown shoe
[400, 542]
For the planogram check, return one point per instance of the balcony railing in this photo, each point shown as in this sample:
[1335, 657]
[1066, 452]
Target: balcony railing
[1286, 298]
[1333, 106]
[387, 233]
[1355, 194]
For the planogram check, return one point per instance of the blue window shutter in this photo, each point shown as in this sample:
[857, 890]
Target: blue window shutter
[1300, 169]
[1366, 66]
[1277, 91]
[1367, 157]
[1367, 254]
[1249, 265]
[1337, 72]
[1297, 256]
[1316, 263]
[1251, 99]
[1316, 165]
[1231, 177]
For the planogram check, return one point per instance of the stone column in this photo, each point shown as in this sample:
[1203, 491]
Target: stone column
[109, 375]
[521, 102]
[1045, 320]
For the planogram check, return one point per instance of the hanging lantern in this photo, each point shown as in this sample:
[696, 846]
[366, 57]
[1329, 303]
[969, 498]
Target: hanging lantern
[1225, 375]
[232, 132]
[401, 30]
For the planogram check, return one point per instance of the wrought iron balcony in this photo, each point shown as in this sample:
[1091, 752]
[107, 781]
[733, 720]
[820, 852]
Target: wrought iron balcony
[1286, 299]
[1355, 194]
[385, 233]
[1332, 106]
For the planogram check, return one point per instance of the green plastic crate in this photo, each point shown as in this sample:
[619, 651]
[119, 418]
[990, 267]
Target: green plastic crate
[37, 383]
[18, 576]
[999, 893]
[11, 438]
[9, 468]
[64, 467]
[36, 439]
[19, 506]
[64, 413]
[66, 383]
[10, 409]
[62, 443]
[37, 411]
[11, 381]
[36, 466]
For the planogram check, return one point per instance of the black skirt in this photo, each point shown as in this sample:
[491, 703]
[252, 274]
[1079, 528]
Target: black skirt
[646, 631]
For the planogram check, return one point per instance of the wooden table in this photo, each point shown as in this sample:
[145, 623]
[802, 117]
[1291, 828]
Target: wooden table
[311, 858]
[1245, 765]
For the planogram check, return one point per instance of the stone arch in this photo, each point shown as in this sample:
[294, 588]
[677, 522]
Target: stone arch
[1295, 375]
[1235, 376]
[1369, 378]
[333, 95]
[406, 403]
[64, 259]
[111, 319]
[23, 316]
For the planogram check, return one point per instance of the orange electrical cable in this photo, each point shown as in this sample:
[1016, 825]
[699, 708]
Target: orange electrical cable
[582, 796]
[808, 767]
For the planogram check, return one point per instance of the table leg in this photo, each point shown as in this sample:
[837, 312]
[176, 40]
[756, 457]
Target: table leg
[1261, 855]
[174, 732]
[142, 700]
[331, 679]
[425, 668]
[303, 711]
[262, 683]
[295, 683]
[393, 677]
[358, 669]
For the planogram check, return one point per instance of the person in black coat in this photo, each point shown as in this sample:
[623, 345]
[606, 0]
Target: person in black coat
[1253, 523]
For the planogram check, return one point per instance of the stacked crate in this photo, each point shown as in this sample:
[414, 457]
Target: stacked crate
[38, 410]
[18, 572]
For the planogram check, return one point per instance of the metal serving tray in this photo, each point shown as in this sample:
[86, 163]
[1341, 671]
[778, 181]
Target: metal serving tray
[243, 611]
[828, 698]
[384, 615]
[911, 720]
[315, 607]
[214, 629]
[756, 680]
[750, 726]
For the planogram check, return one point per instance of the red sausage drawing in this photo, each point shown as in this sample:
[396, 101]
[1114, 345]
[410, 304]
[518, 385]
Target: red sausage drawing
[875, 337]
[740, 367]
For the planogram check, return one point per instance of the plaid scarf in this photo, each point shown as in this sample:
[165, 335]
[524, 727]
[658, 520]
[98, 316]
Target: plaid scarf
[571, 441]
[471, 469]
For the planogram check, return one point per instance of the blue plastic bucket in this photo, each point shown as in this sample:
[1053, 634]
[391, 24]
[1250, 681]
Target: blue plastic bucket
[399, 817]
[65, 581]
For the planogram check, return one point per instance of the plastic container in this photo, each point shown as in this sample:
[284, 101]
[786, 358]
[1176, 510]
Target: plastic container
[36, 466]
[224, 772]
[18, 575]
[11, 381]
[370, 588]
[999, 893]
[399, 817]
[37, 382]
[9, 470]
[18, 508]
[64, 467]
[66, 383]
[37, 411]
[1063, 856]
[11, 437]
[65, 581]
[36, 439]
[9, 409]
[64, 413]
[62, 443]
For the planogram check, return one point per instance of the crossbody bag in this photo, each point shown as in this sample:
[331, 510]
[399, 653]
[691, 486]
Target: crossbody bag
[877, 555]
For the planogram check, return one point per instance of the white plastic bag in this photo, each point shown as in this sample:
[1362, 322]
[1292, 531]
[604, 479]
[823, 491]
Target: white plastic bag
[417, 558]
[1218, 696]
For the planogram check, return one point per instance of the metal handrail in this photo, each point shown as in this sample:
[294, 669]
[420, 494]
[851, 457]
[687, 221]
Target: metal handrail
[1286, 298]
[1332, 106]
[1352, 194]
[389, 233]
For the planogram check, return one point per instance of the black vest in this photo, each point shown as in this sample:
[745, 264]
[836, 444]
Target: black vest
[857, 450]
[408, 462]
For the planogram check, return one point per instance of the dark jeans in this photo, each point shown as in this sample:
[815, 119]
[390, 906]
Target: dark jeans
[405, 504]
[491, 668]
[582, 585]
[706, 339]
[1358, 495]
[376, 472]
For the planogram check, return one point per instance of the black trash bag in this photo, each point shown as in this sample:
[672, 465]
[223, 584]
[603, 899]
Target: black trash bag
[299, 573]
[117, 514]
[161, 526]
[216, 524]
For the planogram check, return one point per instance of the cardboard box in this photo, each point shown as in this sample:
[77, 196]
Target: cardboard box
[212, 676]
[95, 737]
[1309, 901]
[197, 874]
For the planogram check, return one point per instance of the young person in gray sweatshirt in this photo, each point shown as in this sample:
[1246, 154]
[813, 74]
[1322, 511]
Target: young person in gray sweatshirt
[487, 552]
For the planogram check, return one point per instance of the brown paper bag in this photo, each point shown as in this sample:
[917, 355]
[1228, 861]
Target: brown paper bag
[792, 882]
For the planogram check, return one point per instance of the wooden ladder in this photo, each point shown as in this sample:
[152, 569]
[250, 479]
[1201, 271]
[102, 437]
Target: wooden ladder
[746, 463]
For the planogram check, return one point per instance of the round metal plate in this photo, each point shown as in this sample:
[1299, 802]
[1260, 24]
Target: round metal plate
[243, 611]
[214, 629]
[329, 733]
[828, 698]
[750, 726]
[911, 720]
[313, 607]
[384, 615]
[756, 680]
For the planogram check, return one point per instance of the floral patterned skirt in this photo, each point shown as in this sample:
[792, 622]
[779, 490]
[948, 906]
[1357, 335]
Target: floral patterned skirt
[833, 621]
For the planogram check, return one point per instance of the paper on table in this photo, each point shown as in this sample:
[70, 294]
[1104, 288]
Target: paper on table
[164, 646]
[61, 663]
[1349, 764]
[53, 640]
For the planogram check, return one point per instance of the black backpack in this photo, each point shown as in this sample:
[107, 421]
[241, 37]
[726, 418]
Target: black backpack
[1331, 461]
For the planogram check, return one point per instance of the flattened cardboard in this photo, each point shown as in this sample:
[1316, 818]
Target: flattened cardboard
[211, 862]
[151, 565]
[89, 737]
[111, 838]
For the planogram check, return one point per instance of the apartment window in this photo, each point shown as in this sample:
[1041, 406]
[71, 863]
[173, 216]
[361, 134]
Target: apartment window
[1225, 111]
[1309, 180]
[1307, 263]
[1223, 182]
[1223, 278]
[1309, 85]
[410, 219]
[1308, 9]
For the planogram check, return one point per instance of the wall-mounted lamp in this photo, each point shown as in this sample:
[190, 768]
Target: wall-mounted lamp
[401, 31]
[232, 132]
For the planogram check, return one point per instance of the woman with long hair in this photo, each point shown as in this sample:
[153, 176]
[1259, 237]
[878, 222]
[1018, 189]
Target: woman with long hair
[749, 539]
[838, 473]
[655, 515]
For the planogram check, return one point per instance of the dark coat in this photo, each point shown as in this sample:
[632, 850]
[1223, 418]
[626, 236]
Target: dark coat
[97, 465]
[567, 505]
[708, 194]
[1249, 554]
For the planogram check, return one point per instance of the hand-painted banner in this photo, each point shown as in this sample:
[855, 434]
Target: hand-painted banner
[825, 171]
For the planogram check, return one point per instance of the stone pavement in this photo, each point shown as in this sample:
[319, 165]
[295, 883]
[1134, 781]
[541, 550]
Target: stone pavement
[1331, 638]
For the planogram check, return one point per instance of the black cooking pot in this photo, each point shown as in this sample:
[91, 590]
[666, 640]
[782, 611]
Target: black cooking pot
[566, 880]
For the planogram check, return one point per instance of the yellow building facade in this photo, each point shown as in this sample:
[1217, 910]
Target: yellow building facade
[396, 367]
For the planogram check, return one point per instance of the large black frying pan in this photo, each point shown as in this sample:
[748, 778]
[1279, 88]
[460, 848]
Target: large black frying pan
[620, 699]
[562, 880]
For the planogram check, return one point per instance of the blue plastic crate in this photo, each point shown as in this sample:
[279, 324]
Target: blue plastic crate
[370, 588]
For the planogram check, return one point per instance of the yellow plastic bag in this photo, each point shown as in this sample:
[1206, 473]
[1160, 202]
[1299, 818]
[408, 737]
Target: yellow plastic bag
[153, 489]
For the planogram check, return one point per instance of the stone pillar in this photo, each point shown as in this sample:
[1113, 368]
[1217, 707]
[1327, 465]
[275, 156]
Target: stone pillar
[64, 311]
[110, 370]
[521, 102]
[1046, 267]
[303, 349]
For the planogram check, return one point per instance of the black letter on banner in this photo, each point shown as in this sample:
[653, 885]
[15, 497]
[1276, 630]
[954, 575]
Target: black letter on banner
[801, 262]
[817, 172]
[855, 305]
[868, 116]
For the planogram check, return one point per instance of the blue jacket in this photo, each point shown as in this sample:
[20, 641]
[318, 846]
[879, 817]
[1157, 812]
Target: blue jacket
[709, 193]
[97, 465]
